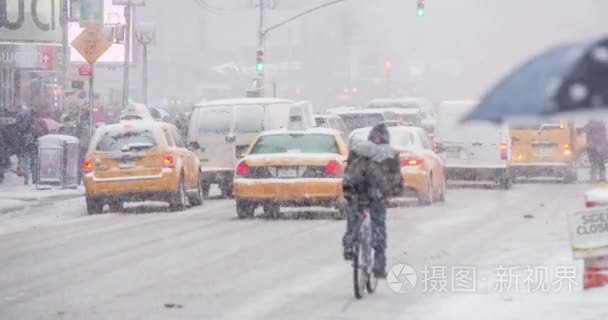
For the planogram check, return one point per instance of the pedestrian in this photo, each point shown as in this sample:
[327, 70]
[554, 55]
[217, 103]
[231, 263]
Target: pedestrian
[597, 149]
[372, 175]
[24, 130]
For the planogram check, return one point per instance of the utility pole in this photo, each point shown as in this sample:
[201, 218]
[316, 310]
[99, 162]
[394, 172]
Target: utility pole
[125, 86]
[65, 58]
[91, 93]
[145, 34]
[145, 73]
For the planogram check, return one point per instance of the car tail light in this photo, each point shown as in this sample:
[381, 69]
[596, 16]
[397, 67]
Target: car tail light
[333, 168]
[243, 169]
[169, 161]
[411, 161]
[567, 150]
[87, 166]
[504, 151]
[590, 204]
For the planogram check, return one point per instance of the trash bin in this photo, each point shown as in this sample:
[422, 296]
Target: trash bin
[58, 161]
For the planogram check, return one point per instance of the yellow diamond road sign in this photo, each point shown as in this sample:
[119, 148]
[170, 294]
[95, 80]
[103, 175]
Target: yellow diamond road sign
[91, 44]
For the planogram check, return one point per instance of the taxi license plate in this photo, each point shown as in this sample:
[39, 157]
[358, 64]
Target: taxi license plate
[127, 164]
[545, 150]
[288, 173]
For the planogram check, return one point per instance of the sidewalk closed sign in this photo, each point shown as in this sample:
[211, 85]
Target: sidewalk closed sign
[589, 233]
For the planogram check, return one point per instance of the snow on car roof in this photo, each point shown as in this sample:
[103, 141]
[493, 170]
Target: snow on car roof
[242, 101]
[362, 111]
[142, 124]
[326, 131]
[326, 116]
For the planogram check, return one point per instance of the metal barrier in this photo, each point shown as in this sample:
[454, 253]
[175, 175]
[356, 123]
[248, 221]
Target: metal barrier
[58, 161]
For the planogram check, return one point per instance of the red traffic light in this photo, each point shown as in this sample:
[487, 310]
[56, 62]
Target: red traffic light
[388, 65]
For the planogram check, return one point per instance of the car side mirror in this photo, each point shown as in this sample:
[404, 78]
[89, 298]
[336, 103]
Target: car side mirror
[439, 148]
[193, 146]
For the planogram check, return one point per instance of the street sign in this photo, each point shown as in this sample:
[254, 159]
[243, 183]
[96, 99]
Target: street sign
[78, 84]
[589, 233]
[91, 44]
[91, 12]
[85, 70]
[145, 33]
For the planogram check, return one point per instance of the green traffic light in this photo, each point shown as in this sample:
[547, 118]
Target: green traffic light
[130, 100]
[259, 67]
[420, 12]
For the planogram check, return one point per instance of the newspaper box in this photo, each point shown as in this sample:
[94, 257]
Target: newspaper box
[58, 160]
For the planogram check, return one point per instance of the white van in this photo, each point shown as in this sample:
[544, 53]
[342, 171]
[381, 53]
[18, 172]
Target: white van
[476, 151]
[220, 133]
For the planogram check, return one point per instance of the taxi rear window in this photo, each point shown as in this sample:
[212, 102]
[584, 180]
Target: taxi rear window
[126, 141]
[297, 143]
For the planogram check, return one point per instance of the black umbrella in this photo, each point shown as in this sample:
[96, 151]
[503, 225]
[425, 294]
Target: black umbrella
[563, 79]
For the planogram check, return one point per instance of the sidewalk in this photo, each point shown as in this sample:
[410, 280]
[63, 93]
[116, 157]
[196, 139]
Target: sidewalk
[15, 196]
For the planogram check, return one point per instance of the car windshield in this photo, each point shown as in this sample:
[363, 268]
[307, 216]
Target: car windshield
[296, 143]
[215, 120]
[360, 120]
[126, 140]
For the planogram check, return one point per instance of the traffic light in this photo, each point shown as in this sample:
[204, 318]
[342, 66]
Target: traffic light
[129, 100]
[420, 8]
[259, 66]
[388, 65]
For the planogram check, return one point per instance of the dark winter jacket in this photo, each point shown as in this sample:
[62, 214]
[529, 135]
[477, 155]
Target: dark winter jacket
[372, 173]
[596, 136]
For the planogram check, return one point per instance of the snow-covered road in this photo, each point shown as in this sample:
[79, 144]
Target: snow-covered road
[205, 264]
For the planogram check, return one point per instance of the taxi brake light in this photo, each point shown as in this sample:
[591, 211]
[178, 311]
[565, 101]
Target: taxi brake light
[243, 169]
[169, 161]
[590, 204]
[405, 162]
[87, 166]
[333, 168]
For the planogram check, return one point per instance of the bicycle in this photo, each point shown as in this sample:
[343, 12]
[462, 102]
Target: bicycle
[363, 258]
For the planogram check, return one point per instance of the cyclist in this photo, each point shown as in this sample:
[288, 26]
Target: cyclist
[372, 175]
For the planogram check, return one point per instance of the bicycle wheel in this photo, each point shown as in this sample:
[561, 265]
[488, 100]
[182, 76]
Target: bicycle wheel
[372, 281]
[359, 274]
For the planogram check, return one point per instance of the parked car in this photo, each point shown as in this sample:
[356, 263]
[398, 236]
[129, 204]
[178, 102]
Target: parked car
[221, 131]
[291, 168]
[422, 169]
[473, 151]
[138, 160]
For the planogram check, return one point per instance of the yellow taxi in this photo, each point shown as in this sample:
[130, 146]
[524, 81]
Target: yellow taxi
[545, 150]
[421, 168]
[291, 168]
[139, 160]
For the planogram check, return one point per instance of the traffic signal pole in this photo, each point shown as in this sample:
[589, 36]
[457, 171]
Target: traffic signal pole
[262, 33]
[260, 71]
[125, 86]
